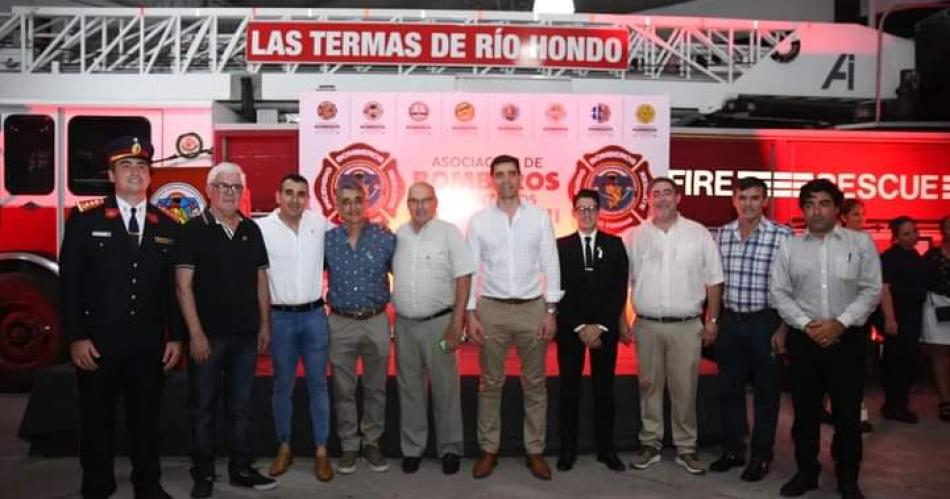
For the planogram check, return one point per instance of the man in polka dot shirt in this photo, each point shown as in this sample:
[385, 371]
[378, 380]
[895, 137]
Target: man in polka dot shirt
[359, 259]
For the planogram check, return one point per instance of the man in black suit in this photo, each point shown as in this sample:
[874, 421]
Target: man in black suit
[594, 278]
[117, 302]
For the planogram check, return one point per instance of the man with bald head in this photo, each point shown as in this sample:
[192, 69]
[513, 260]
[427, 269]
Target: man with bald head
[432, 268]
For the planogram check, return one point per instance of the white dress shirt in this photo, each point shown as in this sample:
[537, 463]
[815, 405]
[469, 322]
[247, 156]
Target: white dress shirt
[669, 271]
[837, 276]
[514, 254]
[125, 209]
[296, 258]
[425, 266]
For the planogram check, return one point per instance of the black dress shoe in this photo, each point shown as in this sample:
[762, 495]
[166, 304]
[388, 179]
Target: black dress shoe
[154, 492]
[611, 461]
[450, 464]
[799, 484]
[726, 462]
[901, 415]
[411, 464]
[202, 487]
[851, 492]
[755, 471]
[566, 460]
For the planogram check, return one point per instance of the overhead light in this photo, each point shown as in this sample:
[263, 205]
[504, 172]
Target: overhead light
[553, 6]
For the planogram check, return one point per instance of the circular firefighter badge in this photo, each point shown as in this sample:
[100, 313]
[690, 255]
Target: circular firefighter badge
[374, 170]
[621, 178]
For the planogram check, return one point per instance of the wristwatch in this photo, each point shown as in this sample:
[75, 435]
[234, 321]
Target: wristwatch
[551, 308]
[714, 320]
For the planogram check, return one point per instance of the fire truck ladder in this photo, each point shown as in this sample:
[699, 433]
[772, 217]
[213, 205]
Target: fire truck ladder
[179, 41]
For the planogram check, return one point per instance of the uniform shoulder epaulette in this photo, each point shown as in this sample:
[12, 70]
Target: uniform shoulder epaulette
[84, 206]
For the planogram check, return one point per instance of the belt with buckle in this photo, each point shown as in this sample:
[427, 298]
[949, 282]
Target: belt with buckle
[306, 307]
[744, 316]
[512, 301]
[360, 315]
[667, 318]
[440, 313]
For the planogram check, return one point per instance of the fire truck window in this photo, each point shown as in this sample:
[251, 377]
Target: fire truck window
[87, 138]
[28, 155]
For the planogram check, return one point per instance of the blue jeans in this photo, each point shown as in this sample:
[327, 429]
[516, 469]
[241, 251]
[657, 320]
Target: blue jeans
[744, 354]
[233, 358]
[296, 335]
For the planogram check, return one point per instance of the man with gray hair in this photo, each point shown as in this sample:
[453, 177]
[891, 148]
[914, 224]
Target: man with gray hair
[433, 268]
[221, 274]
[359, 258]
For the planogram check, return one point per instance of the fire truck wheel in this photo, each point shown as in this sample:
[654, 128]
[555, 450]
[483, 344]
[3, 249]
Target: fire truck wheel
[30, 333]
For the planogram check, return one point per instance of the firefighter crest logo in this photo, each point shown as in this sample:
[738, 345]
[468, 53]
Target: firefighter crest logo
[179, 200]
[366, 166]
[621, 178]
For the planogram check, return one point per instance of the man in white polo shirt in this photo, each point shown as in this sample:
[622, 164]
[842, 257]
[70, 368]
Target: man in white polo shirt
[294, 239]
[432, 267]
[674, 268]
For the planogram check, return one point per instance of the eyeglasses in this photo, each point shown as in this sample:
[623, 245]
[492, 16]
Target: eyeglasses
[587, 210]
[228, 188]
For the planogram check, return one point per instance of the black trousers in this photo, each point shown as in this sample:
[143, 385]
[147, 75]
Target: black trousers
[744, 355]
[136, 379]
[603, 361]
[899, 363]
[228, 373]
[837, 371]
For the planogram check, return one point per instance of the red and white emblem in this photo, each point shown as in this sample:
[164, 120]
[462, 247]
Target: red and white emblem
[373, 169]
[621, 178]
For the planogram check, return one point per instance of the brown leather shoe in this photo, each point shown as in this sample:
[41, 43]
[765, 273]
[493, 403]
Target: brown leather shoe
[282, 460]
[538, 466]
[485, 464]
[322, 468]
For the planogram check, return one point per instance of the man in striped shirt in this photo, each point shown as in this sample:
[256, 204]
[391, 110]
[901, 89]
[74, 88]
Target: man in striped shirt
[751, 332]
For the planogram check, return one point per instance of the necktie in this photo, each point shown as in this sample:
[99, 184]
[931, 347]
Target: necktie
[588, 254]
[134, 230]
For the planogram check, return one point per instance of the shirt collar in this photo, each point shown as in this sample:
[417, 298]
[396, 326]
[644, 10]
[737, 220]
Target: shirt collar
[209, 217]
[592, 235]
[838, 233]
[274, 217]
[125, 207]
[764, 225]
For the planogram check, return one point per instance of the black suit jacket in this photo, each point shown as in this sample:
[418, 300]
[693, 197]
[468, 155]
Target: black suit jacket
[598, 298]
[120, 297]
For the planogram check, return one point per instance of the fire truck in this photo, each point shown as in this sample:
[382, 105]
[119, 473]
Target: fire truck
[191, 79]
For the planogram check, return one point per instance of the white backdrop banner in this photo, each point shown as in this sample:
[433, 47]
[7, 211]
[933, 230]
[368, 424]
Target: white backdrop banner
[566, 142]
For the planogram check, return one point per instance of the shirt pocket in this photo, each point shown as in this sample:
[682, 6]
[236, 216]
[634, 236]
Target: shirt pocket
[846, 266]
[687, 255]
[437, 258]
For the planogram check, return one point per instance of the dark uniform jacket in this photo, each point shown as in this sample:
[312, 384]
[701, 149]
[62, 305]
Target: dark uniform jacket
[122, 298]
[596, 297]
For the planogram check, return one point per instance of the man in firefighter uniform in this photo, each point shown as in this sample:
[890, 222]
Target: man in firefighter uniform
[121, 319]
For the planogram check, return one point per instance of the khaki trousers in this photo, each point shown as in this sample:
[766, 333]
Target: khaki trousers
[419, 359]
[368, 340]
[668, 355]
[506, 324]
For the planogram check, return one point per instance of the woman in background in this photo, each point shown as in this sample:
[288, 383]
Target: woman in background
[905, 287]
[936, 332]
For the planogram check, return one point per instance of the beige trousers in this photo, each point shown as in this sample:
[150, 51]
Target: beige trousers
[504, 325]
[668, 355]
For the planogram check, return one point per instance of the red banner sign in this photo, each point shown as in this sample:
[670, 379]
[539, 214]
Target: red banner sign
[436, 44]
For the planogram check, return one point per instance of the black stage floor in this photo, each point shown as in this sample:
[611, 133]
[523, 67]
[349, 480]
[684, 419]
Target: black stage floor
[50, 420]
